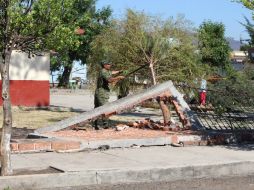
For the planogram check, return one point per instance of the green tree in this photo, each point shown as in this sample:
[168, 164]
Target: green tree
[30, 26]
[250, 29]
[249, 43]
[92, 21]
[213, 46]
[247, 3]
[164, 47]
[234, 93]
[138, 39]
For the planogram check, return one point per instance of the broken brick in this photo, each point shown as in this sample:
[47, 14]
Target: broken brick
[42, 146]
[26, 146]
[72, 145]
[14, 147]
[174, 139]
[164, 90]
[58, 145]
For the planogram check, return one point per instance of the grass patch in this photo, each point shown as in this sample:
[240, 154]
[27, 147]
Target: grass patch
[36, 118]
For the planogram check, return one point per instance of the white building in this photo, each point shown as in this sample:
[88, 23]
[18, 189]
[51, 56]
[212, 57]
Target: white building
[29, 79]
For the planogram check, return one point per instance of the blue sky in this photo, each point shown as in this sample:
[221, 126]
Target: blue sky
[225, 11]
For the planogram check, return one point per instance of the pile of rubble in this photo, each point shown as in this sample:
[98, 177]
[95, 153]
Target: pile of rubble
[152, 125]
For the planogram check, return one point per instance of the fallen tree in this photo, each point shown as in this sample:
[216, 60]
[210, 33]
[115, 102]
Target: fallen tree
[165, 89]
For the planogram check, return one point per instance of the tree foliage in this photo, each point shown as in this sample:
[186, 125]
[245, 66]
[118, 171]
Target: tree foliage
[85, 16]
[213, 46]
[139, 39]
[38, 25]
[247, 3]
[234, 93]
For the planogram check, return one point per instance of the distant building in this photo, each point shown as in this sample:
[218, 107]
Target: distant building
[238, 59]
[29, 80]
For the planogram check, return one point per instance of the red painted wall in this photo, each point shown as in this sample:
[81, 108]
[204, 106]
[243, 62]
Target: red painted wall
[28, 92]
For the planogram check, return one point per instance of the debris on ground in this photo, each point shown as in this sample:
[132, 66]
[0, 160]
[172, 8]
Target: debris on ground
[165, 92]
[105, 134]
[121, 127]
[156, 125]
[104, 147]
[135, 146]
[180, 144]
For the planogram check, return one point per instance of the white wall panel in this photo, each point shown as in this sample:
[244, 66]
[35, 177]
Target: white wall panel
[34, 68]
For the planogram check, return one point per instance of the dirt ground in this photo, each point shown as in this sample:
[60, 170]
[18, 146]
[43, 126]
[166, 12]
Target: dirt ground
[35, 118]
[26, 120]
[106, 134]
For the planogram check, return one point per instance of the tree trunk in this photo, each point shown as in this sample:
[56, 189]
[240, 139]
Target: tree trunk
[163, 106]
[6, 168]
[153, 74]
[64, 79]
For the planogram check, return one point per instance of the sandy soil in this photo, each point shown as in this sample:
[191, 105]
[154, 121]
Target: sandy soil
[110, 134]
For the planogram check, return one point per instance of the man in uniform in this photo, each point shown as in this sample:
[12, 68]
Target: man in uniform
[102, 92]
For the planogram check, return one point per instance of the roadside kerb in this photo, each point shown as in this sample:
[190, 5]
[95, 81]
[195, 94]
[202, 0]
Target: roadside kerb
[68, 144]
[71, 144]
[85, 178]
[126, 143]
[53, 143]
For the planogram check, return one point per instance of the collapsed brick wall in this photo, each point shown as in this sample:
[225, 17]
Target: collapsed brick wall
[163, 90]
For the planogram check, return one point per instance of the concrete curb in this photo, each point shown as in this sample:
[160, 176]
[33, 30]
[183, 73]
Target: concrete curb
[126, 143]
[64, 144]
[137, 175]
[70, 144]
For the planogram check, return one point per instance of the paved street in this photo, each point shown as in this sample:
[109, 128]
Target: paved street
[80, 99]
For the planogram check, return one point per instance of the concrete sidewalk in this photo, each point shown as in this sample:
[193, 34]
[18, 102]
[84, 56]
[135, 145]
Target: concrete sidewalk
[148, 168]
[133, 165]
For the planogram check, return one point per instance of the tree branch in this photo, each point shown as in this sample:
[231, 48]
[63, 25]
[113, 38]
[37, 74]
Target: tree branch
[30, 4]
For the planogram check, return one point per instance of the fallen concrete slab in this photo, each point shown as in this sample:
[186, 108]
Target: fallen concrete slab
[164, 89]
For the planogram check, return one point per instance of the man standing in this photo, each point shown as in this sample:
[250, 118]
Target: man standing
[102, 92]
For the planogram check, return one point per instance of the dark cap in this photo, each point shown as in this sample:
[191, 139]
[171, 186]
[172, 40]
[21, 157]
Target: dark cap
[106, 62]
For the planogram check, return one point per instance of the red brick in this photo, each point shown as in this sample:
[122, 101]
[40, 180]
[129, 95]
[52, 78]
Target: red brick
[174, 139]
[182, 118]
[72, 145]
[177, 106]
[187, 124]
[14, 146]
[203, 143]
[191, 143]
[26, 146]
[196, 143]
[65, 145]
[165, 129]
[108, 114]
[58, 145]
[42, 145]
